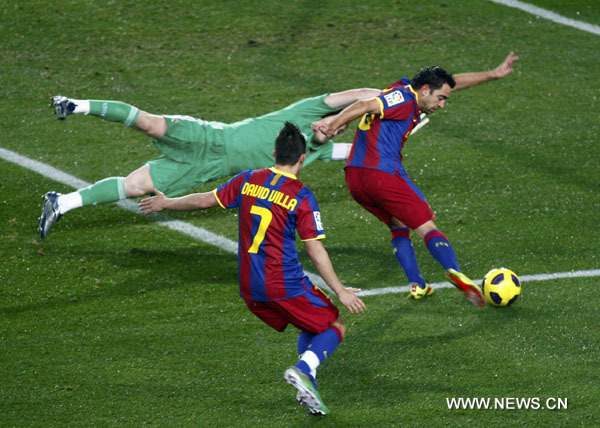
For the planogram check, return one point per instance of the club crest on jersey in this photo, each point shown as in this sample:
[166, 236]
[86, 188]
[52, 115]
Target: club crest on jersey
[394, 98]
[318, 223]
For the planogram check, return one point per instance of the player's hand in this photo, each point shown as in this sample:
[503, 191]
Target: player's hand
[154, 203]
[351, 301]
[506, 66]
[323, 127]
[324, 130]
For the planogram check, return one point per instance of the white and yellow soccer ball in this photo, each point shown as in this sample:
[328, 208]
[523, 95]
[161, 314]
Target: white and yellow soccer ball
[501, 287]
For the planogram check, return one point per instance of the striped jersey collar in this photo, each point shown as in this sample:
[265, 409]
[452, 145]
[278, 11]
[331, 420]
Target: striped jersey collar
[413, 91]
[286, 174]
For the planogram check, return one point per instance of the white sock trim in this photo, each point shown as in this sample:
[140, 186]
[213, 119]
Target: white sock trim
[81, 106]
[132, 113]
[121, 186]
[310, 358]
[69, 201]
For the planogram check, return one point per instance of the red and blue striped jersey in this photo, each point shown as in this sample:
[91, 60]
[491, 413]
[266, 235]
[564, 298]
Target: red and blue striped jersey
[379, 139]
[272, 206]
[399, 83]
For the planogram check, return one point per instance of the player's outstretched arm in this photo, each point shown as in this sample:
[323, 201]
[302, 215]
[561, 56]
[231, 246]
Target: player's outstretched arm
[467, 80]
[331, 126]
[320, 258]
[341, 100]
[341, 151]
[193, 201]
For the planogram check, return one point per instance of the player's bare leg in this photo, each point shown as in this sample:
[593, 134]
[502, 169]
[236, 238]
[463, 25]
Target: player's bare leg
[152, 125]
[139, 182]
[339, 324]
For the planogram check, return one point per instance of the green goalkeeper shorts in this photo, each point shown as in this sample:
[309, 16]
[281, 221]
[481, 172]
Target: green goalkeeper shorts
[193, 153]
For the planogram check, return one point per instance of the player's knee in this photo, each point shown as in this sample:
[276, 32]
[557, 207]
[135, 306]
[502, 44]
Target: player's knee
[394, 222]
[138, 183]
[151, 124]
[134, 191]
[425, 228]
[143, 121]
[341, 327]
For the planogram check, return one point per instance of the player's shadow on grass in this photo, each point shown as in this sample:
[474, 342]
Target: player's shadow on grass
[427, 344]
[129, 272]
[364, 266]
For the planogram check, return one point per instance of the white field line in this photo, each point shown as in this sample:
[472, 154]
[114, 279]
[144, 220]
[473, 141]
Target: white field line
[551, 16]
[188, 229]
[228, 245]
[523, 278]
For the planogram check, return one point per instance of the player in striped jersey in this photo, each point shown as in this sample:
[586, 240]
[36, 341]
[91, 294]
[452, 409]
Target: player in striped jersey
[376, 177]
[273, 205]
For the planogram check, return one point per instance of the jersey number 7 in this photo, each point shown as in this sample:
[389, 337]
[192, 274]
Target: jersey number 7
[265, 219]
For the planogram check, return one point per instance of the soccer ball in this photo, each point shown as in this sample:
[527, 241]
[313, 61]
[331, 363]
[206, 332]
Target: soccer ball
[501, 287]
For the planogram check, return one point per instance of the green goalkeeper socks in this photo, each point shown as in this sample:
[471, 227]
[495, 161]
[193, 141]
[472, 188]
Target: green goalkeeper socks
[114, 111]
[104, 191]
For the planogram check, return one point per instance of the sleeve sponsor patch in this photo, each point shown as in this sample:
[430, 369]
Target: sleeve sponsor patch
[394, 98]
[318, 223]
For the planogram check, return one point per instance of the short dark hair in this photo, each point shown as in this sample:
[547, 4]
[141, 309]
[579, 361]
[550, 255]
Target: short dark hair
[289, 145]
[434, 76]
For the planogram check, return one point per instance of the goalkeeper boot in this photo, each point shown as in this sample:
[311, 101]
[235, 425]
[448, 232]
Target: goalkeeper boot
[418, 291]
[62, 106]
[471, 290]
[308, 394]
[50, 213]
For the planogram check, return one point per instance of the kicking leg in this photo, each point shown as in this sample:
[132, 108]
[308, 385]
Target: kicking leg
[441, 249]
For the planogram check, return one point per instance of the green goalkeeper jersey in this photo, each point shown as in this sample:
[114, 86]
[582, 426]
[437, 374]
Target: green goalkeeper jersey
[196, 151]
[249, 144]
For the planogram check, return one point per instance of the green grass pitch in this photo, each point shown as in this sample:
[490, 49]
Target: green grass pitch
[116, 321]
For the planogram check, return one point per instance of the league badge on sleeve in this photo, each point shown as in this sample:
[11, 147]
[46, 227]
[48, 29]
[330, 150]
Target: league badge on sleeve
[318, 223]
[394, 98]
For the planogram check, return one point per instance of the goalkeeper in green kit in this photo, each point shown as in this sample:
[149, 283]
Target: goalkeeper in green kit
[195, 151]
